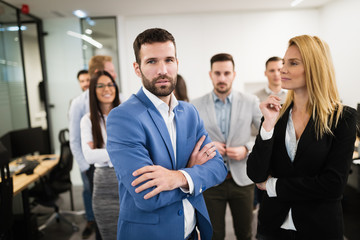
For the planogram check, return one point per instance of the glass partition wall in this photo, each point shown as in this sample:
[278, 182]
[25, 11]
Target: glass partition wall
[22, 76]
[101, 36]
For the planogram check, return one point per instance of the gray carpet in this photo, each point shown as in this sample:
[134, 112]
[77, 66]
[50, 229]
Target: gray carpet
[62, 231]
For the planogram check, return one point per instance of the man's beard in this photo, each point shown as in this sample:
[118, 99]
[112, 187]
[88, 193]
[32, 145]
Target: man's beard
[162, 91]
[221, 89]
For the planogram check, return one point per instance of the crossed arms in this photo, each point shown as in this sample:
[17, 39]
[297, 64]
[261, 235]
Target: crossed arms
[143, 166]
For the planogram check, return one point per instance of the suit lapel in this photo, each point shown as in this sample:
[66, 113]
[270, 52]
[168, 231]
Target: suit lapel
[180, 135]
[235, 109]
[306, 139]
[159, 123]
[281, 135]
[211, 115]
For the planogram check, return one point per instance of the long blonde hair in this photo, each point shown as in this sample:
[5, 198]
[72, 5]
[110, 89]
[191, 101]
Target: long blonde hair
[324, 100]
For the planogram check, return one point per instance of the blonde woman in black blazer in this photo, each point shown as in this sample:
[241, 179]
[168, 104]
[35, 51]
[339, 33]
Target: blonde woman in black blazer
[303, 151]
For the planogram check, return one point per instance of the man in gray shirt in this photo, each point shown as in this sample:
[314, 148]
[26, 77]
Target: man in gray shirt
[228, 116]
[272, 71]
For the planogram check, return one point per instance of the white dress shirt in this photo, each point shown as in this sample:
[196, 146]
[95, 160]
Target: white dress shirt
[168, 115]
[78, 108]
[97, 156]
[291, 146]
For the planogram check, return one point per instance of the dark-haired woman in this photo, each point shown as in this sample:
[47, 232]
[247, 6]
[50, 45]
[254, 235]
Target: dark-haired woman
[180, 90]
[104, 96]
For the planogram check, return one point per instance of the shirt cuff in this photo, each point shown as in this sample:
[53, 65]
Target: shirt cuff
[271, 187]
[266, 135]
[190, 183]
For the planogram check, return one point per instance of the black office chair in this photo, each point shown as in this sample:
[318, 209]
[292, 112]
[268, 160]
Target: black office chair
[47, 192]
[6, 195]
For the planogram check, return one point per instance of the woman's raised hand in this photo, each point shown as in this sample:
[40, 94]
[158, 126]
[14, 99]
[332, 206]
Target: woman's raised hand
[270, 109]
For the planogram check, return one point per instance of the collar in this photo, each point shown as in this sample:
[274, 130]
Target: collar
[269, 91]
[158, 103]
[228, 99]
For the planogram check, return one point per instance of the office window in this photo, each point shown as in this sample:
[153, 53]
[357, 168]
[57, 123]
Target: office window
[104, 31]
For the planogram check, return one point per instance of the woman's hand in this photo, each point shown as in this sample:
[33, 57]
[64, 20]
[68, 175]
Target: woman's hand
[270, 109]
[262, 185]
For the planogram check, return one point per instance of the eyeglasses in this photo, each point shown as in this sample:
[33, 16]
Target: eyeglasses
[103, 86]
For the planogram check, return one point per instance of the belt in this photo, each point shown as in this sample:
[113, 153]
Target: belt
[228, 176]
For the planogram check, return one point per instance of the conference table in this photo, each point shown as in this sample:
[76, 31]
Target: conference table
[22, 182]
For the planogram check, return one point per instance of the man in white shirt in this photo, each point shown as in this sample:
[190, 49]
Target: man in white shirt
[84, 79]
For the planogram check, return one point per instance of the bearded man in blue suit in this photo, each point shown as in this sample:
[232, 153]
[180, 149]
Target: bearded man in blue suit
[161, 152]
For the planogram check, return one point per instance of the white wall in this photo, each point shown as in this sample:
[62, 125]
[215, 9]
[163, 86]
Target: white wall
[251, 37]
[340, 27]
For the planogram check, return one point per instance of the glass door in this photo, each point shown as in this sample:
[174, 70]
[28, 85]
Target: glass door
[22, 81]
[13, 102]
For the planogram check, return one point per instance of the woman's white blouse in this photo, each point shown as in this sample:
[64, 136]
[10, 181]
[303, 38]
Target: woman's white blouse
[98, 156]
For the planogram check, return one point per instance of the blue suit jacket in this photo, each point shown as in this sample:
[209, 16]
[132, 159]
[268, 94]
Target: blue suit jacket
[137, 137]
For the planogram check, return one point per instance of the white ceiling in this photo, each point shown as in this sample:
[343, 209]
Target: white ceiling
[63, 8]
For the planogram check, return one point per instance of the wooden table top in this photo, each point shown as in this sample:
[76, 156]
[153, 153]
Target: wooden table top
[22, 181]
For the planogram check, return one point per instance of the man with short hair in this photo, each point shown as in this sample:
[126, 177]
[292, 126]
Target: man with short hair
[228, 116]
[84, 79]
[100, 63]
[154, 143]
[272, 71]
[78, 108]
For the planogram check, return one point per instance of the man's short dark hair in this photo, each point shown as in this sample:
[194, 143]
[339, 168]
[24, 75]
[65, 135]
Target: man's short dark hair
[221, 57]
[273, 59]
[152, 35]
[82, 72]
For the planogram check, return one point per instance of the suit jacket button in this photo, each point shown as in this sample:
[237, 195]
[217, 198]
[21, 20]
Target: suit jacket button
[180, 212]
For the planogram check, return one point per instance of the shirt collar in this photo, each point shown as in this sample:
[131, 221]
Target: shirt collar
[158, 103]
[268, 91]
[228, 98]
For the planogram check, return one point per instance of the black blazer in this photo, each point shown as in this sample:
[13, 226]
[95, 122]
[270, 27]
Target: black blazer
[312, 185]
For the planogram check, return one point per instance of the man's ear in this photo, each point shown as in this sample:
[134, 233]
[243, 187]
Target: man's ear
[137, 69]
[96, 70]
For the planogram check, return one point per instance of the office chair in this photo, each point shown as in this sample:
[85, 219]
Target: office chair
[58, 182]
[6, 195]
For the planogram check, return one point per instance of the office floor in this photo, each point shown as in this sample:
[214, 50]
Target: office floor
[62, 231]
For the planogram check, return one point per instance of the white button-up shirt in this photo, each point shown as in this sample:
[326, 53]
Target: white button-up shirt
[168, 115]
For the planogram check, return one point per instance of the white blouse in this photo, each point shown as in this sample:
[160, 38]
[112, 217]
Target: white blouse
[98, 156]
